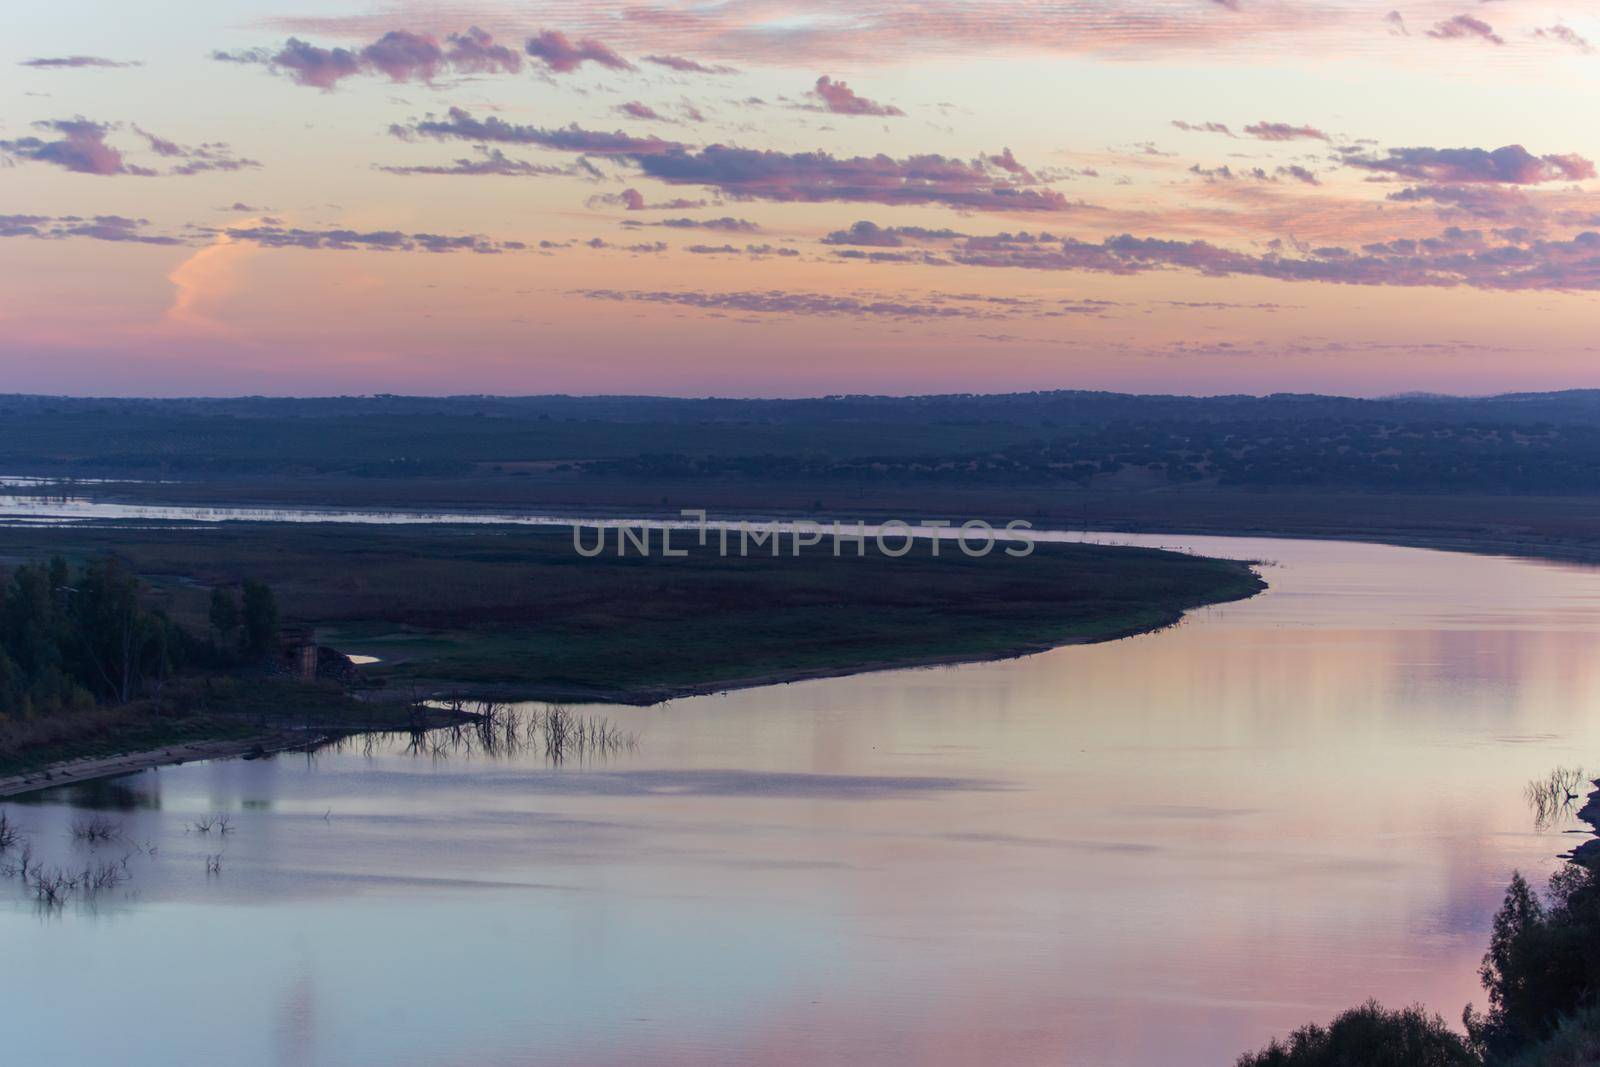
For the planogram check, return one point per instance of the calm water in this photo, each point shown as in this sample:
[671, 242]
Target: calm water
[1157, 851]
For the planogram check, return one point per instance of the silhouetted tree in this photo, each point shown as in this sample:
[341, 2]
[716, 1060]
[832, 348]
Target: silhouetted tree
[67, 640]
[1543, 961]
[260, 617]
[225, 614]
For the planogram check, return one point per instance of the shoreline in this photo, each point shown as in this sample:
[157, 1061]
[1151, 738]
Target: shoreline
[71, 772]
[651, 696]
[253, 746]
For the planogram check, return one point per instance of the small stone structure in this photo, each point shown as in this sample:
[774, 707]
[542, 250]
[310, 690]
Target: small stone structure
[297, 648]
[300, 657]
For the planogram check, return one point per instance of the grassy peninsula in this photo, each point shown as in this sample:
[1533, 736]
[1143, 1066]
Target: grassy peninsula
[513, 612]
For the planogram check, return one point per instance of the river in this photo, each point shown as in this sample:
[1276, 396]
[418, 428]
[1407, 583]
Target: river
[1157, 851]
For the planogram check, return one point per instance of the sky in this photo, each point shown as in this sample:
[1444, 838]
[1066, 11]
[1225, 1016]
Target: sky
[788, 198]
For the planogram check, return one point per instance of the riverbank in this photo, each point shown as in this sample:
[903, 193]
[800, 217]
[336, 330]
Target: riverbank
[265, 716]
[68, 772]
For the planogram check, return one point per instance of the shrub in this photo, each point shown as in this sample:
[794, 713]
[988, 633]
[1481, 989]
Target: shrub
[1369, 1036]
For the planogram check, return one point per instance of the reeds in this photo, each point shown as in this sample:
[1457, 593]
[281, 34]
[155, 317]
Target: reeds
[220, 822]
[499, 730]
[95, 830]
[53, 887]
[1554, 796]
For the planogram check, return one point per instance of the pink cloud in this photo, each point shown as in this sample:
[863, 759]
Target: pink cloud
[840, 99]
[1282, 131]
[400, 55]
[82, 148]
[1465, 27]
[462, 125]
[1564, 35]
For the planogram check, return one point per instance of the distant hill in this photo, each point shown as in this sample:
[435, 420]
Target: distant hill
[1522, 442]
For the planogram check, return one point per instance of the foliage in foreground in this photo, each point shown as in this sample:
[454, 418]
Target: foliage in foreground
[1543, 962]
[1542, 975]
[1575, 1043]
[1369, 1036]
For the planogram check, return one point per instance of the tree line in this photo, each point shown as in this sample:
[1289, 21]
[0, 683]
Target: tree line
[72, 638]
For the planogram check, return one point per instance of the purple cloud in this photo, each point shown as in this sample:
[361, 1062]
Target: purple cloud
[634, 109]
[321, 68]
[461, 125]
[117, 228]
[633, 200]
[726, 223]
[71, 62]
[1479, 201]
[564, 56]
[399, 55]
[81, 148]
[1509, 165]
[866, 233]
[1509, 259]
[840, 99]
[1225, 173]
[475, 52]
[754, 174]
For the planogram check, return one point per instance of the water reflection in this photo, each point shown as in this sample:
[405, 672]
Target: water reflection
[1555, 797]
[1155, 851]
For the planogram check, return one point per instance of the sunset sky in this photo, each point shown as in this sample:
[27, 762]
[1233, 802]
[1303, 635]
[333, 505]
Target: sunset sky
[778, 197]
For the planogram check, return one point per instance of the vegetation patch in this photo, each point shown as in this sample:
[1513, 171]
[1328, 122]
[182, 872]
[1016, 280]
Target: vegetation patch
[516, 611]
